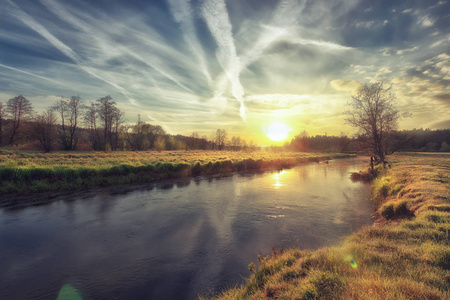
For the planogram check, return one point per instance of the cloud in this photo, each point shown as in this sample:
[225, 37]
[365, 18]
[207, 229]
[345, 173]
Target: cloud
[444, 98]
[41, 30]
[216, 16]
[426, 21]
[321, 44]
[386, 52]
[106, 45]
[182, 13]
[279, 101]
[403, 51]
[441, 124]
[31, 74]
[345, 85]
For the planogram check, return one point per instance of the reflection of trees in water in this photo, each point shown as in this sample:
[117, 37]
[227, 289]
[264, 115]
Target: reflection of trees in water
[106, 203]
[303, 173]
[183, 183]
[325, 171]
[70, 211]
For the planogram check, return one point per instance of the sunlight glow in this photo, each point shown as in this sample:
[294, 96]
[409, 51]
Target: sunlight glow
[277, 131]
[277, 176]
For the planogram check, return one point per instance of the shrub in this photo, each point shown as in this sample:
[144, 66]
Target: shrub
[196, 169]
[401, 209]
[387, 210]
[7, 174]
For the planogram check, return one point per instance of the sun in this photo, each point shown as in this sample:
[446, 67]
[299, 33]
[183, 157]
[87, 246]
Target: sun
[277, 131]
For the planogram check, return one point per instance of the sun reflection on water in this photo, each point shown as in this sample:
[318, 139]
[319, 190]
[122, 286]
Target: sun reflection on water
[277, 177]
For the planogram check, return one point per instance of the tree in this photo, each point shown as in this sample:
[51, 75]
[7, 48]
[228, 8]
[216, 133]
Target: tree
[103, 119]
[445, 147]
[221, 138]
[69, 111]
[236, 143]
[374, 114]
[18, 108]
[155, 135]
[90, 120]
[44, 130]
[1, 122]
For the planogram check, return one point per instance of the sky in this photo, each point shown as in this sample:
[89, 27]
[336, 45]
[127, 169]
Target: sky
[238, 65]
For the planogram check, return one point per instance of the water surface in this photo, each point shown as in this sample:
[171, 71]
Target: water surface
[176, 240]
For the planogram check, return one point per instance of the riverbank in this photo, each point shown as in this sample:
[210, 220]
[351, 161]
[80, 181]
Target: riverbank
[404, 255]
[25, 172]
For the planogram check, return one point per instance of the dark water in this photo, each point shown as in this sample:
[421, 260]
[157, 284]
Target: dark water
[175, 241]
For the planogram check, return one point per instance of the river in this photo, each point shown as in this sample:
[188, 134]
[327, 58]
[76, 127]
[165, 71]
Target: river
[176, 240]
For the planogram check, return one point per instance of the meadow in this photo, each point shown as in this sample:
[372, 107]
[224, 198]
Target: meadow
[29, 172]
[404, 255]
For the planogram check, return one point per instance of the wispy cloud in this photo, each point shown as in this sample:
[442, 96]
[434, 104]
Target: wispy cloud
[104, 42]
[216, 16]
[182, 13]
[31, 74]
[41, 30]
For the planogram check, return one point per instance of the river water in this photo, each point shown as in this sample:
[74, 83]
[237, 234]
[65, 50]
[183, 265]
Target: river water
[176, 240]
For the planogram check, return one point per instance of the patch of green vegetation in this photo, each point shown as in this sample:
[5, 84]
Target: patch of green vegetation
[25, 171]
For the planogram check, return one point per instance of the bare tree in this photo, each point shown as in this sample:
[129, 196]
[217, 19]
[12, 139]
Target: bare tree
[111, 118]
[44, 130]
[117, 120]
[18, 108]
[105, 107]
[1, 122]
[374, 114]
[90, 120]
[221, 138]
[104, 120]
[69, 111]
[236, 142]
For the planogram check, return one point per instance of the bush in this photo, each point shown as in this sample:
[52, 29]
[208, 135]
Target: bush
[401, 209]
[387, 210]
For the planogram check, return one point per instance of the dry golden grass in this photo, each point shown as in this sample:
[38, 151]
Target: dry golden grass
[25, 171]
[96, 159]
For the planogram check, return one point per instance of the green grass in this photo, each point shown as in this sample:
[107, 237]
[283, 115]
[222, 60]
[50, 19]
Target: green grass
[26, 171]
[404, 255]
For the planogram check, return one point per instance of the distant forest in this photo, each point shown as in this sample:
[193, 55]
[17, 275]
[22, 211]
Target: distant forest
[70, 124]
[416, 140]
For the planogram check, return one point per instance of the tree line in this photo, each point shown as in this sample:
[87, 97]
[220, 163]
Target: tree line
[415, 140]
[70, 124]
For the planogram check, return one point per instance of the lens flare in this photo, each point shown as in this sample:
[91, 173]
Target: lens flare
[351, 260]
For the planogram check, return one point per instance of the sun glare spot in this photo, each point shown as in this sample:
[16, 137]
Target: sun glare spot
[277, 131]
[277, 177]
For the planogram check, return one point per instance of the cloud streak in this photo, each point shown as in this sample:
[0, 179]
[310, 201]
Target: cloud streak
[182, 13]
[216, 16]
[41, 30]
[31, 74]
[106, 43]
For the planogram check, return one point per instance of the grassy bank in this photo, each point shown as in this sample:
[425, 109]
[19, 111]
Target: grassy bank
[404, 255]
[24, 171]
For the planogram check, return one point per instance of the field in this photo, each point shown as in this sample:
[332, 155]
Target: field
[25, 171]
[404, 255]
